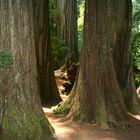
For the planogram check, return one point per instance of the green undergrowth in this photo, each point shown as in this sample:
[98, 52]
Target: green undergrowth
[65, 106]
[62, 108]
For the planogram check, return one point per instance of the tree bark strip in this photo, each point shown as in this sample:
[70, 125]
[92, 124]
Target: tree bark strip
[122, 54]
[97, 93]
[67, 24]
[47, 84]
[21, 115]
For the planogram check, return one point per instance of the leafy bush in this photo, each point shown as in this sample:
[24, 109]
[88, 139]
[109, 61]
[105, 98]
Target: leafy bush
[136, 58]
[59, 52]
[135, 40]
[136, 50]
[137, 79]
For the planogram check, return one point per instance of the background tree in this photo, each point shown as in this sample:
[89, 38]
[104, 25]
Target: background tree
[97, 92]
[122, 54]
[21, 115]
[61, 19]
[64, 16]
[58, 45]
[47, 84]
[67, 24]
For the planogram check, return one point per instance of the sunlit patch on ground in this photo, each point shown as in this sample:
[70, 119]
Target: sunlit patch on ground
[66, 129]
[60, 124]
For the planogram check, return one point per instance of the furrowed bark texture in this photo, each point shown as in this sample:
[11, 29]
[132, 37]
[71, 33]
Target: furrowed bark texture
[61, 19]
[122, 54]
[47, 84]
[67, 24]
[21, 115]
[98, 96]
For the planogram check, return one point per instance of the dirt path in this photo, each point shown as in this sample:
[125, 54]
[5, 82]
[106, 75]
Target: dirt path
[69, 130]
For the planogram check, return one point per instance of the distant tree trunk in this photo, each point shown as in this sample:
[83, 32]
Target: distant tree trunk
[122, 54]
[47, 84]
[97, 93]
[71, 26]
[61, 21]
[67, 24]
[21, 115]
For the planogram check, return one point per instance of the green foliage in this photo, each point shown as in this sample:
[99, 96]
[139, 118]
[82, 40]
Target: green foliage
[136, 50]
[53, 16]
[5, 60]
[63, 108]
[137, 79]
[59, 48]
[136, 6]
[135, 39]
[80, 22]
[59, 51]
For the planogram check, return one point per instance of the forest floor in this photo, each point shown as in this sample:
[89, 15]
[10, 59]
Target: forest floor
[67, 129]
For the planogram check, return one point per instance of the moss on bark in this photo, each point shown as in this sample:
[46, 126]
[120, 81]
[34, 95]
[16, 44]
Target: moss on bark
[65, 106]
[22, 124]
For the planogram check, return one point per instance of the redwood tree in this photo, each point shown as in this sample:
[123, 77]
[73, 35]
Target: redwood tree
[67, 23]
[21, 115]
[122, 54]
[47, 84]
[97, 92]
[61, 19]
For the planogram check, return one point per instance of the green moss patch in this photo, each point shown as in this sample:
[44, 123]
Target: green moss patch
[5, 60]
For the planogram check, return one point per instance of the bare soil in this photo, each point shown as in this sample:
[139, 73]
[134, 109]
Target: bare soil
[66, 129]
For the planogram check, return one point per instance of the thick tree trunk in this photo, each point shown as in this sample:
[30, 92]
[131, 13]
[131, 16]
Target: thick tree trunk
[121, 54]
[97, 93]
[67, 24]
[47, 84]
[21, 115]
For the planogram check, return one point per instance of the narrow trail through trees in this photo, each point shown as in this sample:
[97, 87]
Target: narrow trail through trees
[66, 129]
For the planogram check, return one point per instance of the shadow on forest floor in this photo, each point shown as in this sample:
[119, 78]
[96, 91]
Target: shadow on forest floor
[66, 129]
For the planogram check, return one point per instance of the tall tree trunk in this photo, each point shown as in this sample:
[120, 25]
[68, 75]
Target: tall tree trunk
[61, 21]
[71, 26]
[97, 93]
[21, 115]
[122, 54]
[47, 84]
[67, 24]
